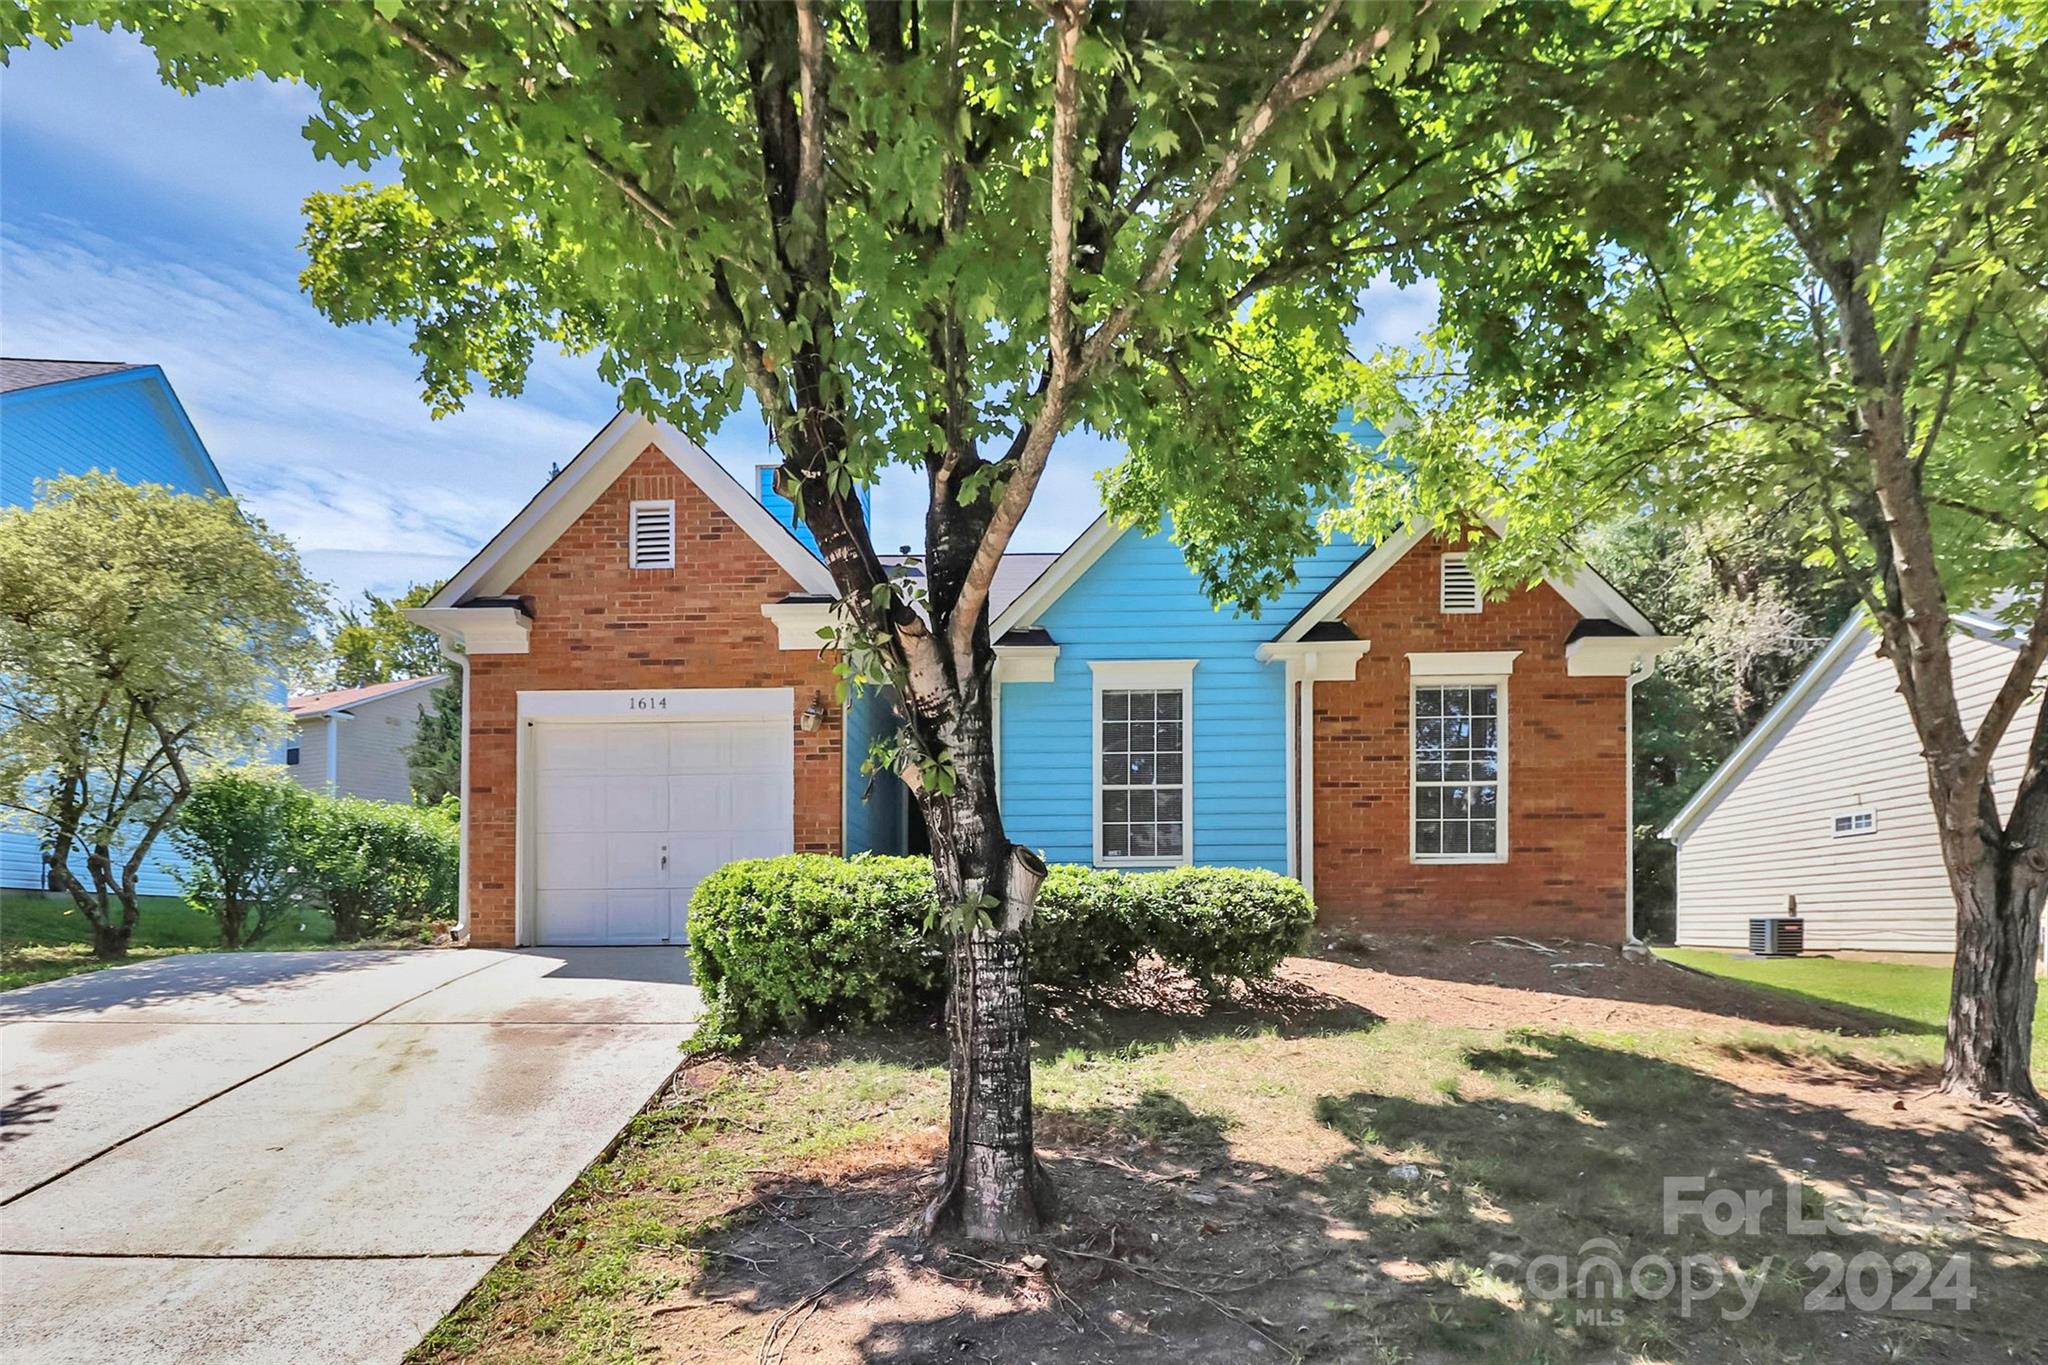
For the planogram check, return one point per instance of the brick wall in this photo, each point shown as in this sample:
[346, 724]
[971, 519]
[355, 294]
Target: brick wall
[599, 624]
[1567, 774]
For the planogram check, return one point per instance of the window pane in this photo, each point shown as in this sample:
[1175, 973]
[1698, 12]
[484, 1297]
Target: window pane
[1455, 838]
[1168, 706]
[1141, 806]
[1116, 737]
[1141, 841]
[1428, 837]
[1166, 806]
[1169, 841]
[1116, 705]
[1166, 736]
[1169, 768]
[1428, 702]
[1486, 701]
[1141, 737]
[1455, 702]
[1115, 770]
[1141, 706]
[1429, 802]
[1115, 808]
[1142, 769]
[1429, 772]
[1457, 803]
[1483, 836]
[1116, 841]
[1485, 803]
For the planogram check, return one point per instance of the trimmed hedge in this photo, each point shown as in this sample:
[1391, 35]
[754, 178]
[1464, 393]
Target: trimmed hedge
[805, 940]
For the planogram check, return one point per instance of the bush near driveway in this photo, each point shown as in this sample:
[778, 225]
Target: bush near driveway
[382, 870]
[240, 832]
[803, 940]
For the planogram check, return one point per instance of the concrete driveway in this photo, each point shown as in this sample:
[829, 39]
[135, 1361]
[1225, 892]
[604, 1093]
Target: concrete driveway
[306, 1156]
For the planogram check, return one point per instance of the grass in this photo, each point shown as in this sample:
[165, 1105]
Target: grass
[43, 936]
[1365, 1190]
[1911, 998]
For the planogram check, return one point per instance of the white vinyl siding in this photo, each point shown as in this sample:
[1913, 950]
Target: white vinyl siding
[653, 535]
[1849, 749]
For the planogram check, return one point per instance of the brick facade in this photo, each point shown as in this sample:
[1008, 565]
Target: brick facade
[598, 624]
[1568, 824]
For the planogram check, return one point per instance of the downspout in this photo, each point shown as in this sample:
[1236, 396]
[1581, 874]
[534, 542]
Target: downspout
[333, 753]
[1306, 716]
[462, 826]
[1636, 673]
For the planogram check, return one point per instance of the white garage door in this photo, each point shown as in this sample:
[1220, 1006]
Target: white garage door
[630, 815]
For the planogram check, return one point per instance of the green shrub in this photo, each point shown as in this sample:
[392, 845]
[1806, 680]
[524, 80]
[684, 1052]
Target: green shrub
[806, 940]
[1224, 923]
[382, 870]
[239, 832]
[803, 940]
[1089, 929]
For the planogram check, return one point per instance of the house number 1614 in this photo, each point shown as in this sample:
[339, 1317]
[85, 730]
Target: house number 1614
[647, 703]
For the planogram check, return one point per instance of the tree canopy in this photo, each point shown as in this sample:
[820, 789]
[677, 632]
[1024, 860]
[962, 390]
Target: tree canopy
[143, 633]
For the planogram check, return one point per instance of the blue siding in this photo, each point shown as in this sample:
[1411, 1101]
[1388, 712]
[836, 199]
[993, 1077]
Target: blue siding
[873, 824]
[1141, 601]
[127, 423]
[784, 510]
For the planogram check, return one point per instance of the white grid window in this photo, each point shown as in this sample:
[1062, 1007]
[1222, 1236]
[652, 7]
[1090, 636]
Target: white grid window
[653, 535]
[1144, 774]
[1853, 822]
[1457, 589]
[1457, 772]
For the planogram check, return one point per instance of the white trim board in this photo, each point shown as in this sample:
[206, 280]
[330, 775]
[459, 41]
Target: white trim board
[1058, 576]
[596, 467]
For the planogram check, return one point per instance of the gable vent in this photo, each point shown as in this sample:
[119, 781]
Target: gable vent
[1458, 590]
[653, 535]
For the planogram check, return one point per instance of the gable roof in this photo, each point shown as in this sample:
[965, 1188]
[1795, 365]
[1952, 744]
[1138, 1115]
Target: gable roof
[570, 493]
[68, 416]
[1592, 596]
[21, 372]
[307, 705]
[1854, 632]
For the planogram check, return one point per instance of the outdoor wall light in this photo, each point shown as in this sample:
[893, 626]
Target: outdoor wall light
[814, 714]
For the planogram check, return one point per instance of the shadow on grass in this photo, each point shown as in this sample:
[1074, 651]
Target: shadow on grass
[1177, 1246]
[1590, 971]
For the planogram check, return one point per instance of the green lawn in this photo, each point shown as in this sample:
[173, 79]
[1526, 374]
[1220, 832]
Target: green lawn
[43, 937]
[1913, 998]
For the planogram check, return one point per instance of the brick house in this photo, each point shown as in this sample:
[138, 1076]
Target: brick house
[647, 699]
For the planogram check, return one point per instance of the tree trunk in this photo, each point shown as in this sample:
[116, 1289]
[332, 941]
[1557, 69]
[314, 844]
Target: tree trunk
[110, 939]
[994, 1189]
[1998, 937]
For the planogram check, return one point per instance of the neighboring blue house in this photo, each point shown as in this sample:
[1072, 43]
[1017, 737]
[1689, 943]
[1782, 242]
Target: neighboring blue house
[71, 416]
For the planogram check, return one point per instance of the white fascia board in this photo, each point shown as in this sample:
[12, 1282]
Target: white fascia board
[569, 494]
[1615, 656]
[1026, 663]
[476, 630]
[1464, 663]
[1059, 575]
[797, 623]
[1316, 660]
[1338, 597]
[1853, 633]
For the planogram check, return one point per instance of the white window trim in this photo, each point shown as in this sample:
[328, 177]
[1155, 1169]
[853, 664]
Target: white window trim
[633, 560]
[1419, 679]
[1836, 831]
[1442, 569]
[1158, 675]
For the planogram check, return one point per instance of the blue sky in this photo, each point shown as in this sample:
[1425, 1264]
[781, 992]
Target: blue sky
[143, 225]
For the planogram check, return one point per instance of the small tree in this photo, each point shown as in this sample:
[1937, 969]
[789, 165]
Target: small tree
[380, 868]
[143, 633]
[241, 831]
[433, 761]
[374, 643]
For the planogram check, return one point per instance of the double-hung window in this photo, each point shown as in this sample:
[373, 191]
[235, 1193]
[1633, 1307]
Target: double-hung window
[1143, 727]
[1458, 760]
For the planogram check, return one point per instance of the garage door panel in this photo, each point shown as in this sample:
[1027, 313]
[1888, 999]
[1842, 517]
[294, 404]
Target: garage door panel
[700, 802]
[760, 844]
[757, 801]
[569, 747]
[573, 916]
[574, 802]
[636, 916]
[634, 860]
[569, 860]
[699, 749]
[636, 802]
[632, 749]
[693, 857]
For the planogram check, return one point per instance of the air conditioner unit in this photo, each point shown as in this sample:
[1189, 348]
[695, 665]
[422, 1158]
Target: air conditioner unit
[1777, 936]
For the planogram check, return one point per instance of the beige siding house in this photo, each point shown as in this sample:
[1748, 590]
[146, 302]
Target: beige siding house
[1827, 800]
[353, 742]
